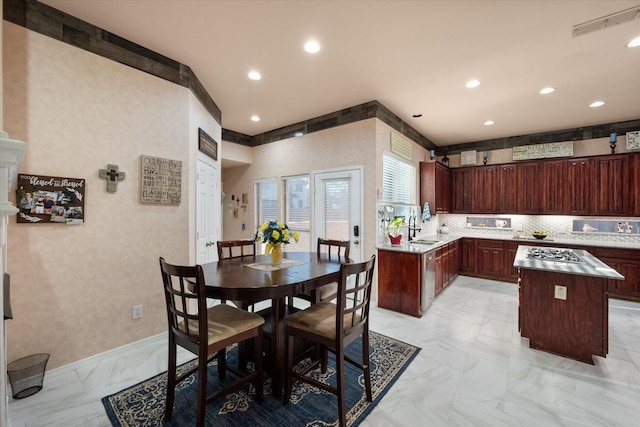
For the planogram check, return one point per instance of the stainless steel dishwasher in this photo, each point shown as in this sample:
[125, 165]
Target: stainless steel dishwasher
[428, 285]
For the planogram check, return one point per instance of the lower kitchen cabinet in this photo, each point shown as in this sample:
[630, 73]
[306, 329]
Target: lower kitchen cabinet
[447, 265]
[510, 272]
[625, 262]
[491, 259]
[468, 256]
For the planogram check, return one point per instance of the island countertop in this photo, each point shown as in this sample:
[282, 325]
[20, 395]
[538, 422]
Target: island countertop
[590, 265]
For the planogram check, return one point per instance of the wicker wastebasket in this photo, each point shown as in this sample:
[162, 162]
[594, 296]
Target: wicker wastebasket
[26, 375]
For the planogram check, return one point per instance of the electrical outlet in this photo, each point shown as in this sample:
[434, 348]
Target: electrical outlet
[560, 292]
[137, 312]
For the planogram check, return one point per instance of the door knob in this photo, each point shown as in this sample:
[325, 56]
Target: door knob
[356, 242]
[209, 244]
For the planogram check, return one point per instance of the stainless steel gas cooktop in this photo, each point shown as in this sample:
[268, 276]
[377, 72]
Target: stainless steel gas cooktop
[553, 254]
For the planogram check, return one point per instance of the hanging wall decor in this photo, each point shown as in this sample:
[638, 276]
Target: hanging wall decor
[161, 181]
[207, 145]
[50, 199]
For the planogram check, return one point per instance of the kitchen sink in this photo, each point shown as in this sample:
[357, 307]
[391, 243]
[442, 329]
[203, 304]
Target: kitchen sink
[426, 242]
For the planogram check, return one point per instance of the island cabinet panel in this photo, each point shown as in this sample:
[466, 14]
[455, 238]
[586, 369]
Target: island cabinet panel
[611, 187]
[510, 272]
[554, 177]
[579, 186]
[399, 278]
[484, 197]
[627, 263]
[462, 189]
[507, 189]
[529, 183]
[575, 327]
[491, 258]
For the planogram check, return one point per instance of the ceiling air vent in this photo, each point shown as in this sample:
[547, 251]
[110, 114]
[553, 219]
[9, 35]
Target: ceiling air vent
[607, 21]
[400, 146]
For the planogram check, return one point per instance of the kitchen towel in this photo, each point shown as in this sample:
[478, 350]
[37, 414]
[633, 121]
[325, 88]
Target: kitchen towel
[426, 213]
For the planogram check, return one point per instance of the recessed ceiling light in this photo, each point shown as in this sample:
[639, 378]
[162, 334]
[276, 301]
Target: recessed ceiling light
[472, 83]
[634, 43]
[255, 118]
[254, 75]
[489, 123]
[596, 104]
[547, 90]
[312, 46]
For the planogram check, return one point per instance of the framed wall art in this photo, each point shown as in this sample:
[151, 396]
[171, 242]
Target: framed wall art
[207, 145]
[633, 140]
[50, 199]
[161, 181]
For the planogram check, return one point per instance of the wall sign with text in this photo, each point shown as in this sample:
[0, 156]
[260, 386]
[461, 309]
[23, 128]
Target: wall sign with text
[161, 181]
[50, 199]
[207, 145]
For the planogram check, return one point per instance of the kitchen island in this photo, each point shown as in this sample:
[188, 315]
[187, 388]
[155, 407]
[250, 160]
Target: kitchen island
[563, 302]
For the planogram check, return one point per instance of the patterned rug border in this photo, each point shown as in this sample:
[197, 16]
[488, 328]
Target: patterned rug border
[356, 414]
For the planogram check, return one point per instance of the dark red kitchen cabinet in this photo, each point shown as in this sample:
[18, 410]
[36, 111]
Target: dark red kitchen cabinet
[529, 184]
[611, 187]
[507, 189]
[462, 188]
[553, 188]
[579, 185]
[435, 186]
[485, 189]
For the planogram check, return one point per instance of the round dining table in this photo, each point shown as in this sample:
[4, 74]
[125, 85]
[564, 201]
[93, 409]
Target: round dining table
[254, 279]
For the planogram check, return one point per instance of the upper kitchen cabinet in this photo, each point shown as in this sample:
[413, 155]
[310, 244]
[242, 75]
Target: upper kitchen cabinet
[435, 186]
[462, 185]
[635, 188]
[611, 188]
[507, 189]
[553, 188]
[579, 186]
[529, 188]
[485, 191]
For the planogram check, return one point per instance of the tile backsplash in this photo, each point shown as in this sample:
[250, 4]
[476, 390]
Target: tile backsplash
[557, 226]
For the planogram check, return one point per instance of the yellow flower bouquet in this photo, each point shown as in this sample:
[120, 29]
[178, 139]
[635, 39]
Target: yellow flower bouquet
[274, 233]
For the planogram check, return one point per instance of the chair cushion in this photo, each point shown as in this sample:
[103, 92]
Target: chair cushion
[319, 319]
[226, 321]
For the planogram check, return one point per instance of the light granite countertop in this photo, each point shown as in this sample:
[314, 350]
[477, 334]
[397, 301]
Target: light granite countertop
[590, 265]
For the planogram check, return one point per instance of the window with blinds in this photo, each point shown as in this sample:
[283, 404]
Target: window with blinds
[297, 210]
[398, 180]
[266, 200]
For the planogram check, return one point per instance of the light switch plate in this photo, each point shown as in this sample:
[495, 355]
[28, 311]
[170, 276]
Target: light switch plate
[560, 292]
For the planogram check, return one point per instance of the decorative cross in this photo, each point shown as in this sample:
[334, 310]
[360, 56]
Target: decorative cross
[112, 176]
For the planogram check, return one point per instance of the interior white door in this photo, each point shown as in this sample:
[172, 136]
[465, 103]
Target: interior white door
[337, 207]
[208, 198]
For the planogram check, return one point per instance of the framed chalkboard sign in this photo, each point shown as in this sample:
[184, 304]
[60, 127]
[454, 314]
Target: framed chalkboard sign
[50, 199]
[207, 145]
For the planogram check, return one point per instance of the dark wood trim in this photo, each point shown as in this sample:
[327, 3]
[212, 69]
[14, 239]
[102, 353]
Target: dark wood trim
[53, 23]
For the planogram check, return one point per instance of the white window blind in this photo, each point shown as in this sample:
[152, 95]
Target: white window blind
[297, 210]
[266, 200]
[336, 209]
[398, 180]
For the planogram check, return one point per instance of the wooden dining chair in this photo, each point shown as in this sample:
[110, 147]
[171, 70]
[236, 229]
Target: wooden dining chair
[205, 332]
[332, 327]
[236, 248]
[335, 250]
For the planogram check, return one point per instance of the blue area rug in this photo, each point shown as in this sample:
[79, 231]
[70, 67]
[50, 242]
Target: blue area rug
[143, 404]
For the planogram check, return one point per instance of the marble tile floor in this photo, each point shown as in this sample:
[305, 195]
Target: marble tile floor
[474, 370]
